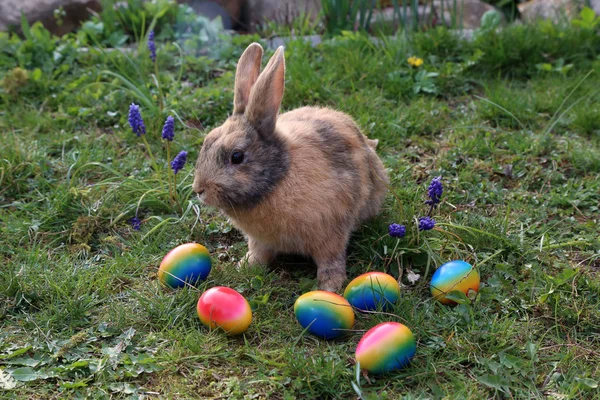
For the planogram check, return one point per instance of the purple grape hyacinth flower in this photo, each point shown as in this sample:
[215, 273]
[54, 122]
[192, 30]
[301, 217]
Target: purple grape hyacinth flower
[135, 223]
[168, 131]
[136, 121]
[435, 191]
[426, 223]
[179, 161]
[397, 230]
[152, 46]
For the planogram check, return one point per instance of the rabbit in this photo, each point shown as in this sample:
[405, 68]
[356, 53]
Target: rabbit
[295, 183]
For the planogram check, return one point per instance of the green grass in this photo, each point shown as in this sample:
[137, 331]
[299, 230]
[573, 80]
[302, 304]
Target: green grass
[82, 312]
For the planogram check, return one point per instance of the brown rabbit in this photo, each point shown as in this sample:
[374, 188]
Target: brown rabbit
[299, 182]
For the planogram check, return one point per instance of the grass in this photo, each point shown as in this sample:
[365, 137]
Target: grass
[81, 310]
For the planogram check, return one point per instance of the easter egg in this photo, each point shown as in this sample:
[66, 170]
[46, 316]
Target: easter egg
[372, 290]
[454, 275]
[324, 314]
[386, 347]
[188, 263]
[224, 308]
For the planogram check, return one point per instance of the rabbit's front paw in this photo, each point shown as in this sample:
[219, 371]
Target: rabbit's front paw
[257, 254]
[332, 274]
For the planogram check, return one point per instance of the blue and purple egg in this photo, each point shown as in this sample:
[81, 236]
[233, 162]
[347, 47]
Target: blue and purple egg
[189, 263]
[386, 347]
[454, 275]
[372, 290]
[324, 314]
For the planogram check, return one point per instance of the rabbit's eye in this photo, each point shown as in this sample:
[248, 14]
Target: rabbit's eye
[237, 157]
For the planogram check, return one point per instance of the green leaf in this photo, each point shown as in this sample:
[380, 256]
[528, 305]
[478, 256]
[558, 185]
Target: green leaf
[531, 349]
[141, 358]
[458, 297]
[256, 282]
[492, 381]
[587, 15]
[509, 361]
[78, 364]
[490, 20]
[74, 385]
[36, 75]
[26, 361]
[587, 383]
[25, 27]
[544, 67]
[15, 353]
[25, 374]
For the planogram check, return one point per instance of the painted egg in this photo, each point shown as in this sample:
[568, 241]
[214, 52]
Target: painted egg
[386, 347]
[454, 275]
[324, 314]
[224, 308]
[372, 290]
[185, 264]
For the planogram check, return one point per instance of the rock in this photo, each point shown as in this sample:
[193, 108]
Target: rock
[555, 10]
[281, 11]
[232, 12]
[75, 11]
[472, 11]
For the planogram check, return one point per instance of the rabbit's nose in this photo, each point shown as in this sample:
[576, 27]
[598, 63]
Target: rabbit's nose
[198, 186]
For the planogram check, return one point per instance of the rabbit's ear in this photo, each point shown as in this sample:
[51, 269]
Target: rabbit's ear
[247, 72]
[266, 95]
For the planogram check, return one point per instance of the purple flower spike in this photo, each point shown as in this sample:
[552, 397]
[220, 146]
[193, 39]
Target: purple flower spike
[169, 128]
[152, 46]
[179, 161]
[397, 230]
[136, 121]
[435, 191]
[426, 223]
[135, 223]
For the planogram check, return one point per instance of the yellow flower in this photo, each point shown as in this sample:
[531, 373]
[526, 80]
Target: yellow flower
[415, 61]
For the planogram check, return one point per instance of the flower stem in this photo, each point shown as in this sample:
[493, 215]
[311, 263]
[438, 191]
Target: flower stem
[431, 209]
[154, 165]
[171, 188]
[160, 95]
[175, 190]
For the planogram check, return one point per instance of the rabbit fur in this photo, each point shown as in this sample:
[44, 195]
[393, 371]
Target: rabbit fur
[299, 182]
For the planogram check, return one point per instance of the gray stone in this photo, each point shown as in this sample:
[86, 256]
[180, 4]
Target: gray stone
[285, 11]
[469, 13]
[232, 12]
[556, 10]
[43, 10]
[211, 11]
[281, 11]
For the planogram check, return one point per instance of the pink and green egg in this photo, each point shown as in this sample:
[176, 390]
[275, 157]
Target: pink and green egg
[324, 314]
[386, 347]
[224, 308]
[188, 263]
[372, 290]
[455, 275]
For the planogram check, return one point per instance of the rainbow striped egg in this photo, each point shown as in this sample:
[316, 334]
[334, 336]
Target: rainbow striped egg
[224, 308]
[185, 264]
[454, 275]
[386, 347]
[324, 314]
[372, 290]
